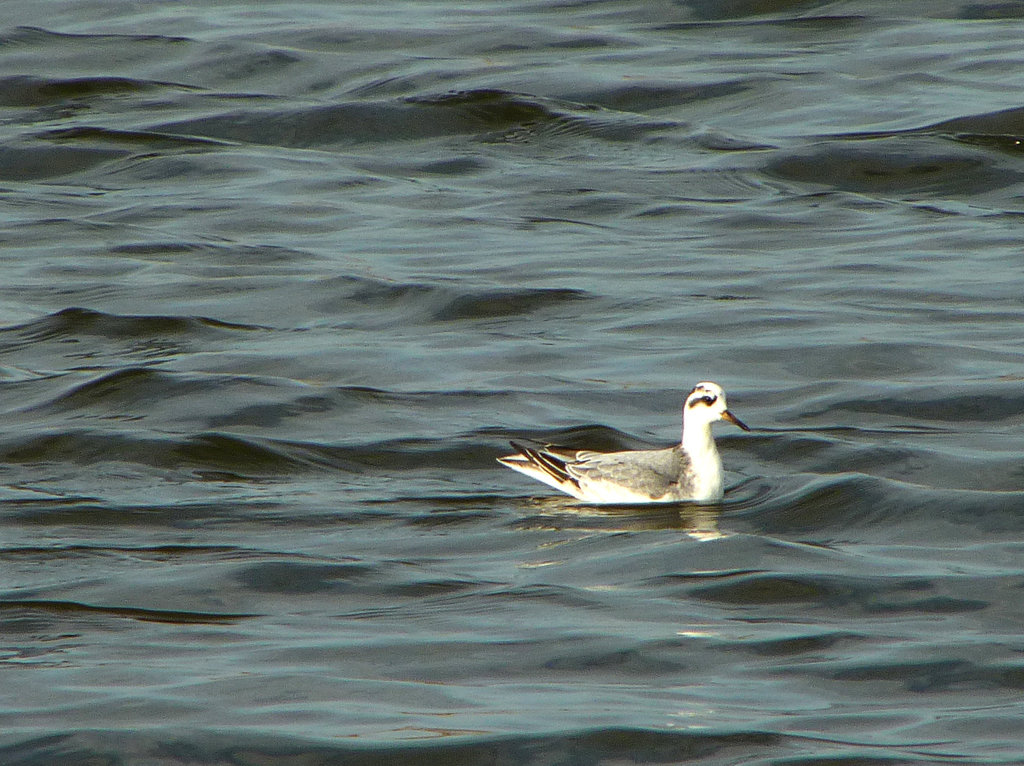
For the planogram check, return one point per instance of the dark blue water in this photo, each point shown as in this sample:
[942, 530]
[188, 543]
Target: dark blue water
[279, 281]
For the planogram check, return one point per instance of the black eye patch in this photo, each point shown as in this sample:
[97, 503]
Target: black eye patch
[708, 400]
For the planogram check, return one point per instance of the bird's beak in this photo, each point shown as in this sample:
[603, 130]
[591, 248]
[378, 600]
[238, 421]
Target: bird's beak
[728, 416]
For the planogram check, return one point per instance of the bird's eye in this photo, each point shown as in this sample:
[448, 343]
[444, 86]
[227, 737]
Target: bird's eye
[706, 400]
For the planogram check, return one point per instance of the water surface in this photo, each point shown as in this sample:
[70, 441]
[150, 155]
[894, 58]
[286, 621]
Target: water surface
[279, 281]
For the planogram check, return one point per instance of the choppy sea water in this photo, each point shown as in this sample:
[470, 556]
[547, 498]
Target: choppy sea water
[279, 280]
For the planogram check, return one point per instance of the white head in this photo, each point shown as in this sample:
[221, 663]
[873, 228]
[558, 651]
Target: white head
[706, 404]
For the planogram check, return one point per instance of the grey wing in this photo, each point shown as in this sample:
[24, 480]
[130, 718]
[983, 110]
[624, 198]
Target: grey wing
[651, 471]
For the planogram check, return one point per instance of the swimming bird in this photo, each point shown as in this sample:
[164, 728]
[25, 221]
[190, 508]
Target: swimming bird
[689, 471]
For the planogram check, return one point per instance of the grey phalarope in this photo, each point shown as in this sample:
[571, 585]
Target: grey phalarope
[689, 471]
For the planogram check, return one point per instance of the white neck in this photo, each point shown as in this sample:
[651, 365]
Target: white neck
[705, 462]
[698, 442]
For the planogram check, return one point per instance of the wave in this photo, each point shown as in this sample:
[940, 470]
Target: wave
[12, 608]
[27, 90]
[439, 744]
[896, 165]
[488, 114]
[76, 322]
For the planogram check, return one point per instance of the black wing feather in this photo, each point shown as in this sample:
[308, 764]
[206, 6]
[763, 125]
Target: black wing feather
[548, 462]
